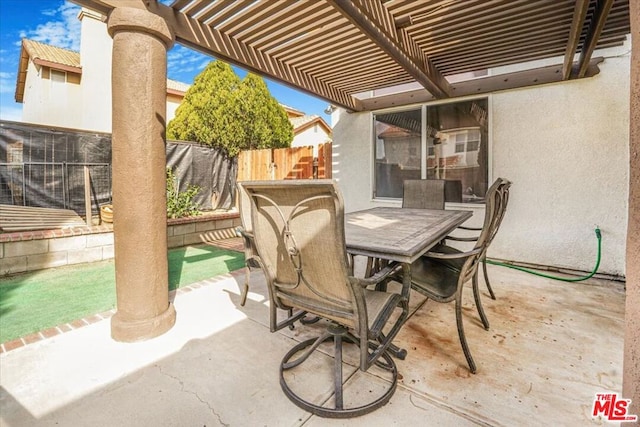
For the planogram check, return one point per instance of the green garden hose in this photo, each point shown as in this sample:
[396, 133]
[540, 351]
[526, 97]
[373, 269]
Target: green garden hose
[564, 279]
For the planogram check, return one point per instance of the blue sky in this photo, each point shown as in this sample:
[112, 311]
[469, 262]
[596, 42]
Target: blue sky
[55, 22]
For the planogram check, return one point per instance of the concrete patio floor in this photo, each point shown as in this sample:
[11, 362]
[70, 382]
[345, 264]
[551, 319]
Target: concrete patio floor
[551, 347]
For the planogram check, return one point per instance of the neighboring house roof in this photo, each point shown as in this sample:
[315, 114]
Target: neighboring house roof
[292, 112]
[305, 122]
[63, 60]
[44, 55]
[177, 88]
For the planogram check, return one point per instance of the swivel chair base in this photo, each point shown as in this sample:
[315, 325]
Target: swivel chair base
[339, 334]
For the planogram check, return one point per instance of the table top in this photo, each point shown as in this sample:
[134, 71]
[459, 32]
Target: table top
[399, 234]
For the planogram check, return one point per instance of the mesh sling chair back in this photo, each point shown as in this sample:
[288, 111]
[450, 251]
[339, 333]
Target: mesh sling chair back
[423, 193]
[299, 236]
[442, 272]
[418, 194]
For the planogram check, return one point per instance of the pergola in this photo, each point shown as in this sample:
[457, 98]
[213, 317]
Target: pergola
[341, 51]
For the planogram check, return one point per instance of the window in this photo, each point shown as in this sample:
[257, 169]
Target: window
[58, 80]
[58, 77]
[398, 146]
[456, 139]
[473, 145]
[460, 143]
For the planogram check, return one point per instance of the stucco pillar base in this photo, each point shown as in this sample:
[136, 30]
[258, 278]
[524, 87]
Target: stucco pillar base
[127, 330]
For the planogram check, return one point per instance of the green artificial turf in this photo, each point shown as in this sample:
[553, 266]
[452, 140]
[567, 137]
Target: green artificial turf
[38, 300]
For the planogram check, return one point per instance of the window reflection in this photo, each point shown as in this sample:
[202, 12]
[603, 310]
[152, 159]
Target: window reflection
[456, 149]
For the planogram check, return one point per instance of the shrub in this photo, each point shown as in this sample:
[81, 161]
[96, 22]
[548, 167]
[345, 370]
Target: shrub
[180, 203]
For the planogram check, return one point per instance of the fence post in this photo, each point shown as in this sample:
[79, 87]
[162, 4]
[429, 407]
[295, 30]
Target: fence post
[87, 196]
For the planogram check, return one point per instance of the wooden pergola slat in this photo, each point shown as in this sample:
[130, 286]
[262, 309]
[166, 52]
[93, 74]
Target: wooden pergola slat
[336, 49]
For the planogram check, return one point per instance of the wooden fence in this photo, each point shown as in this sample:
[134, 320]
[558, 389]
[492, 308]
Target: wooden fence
[285, 163]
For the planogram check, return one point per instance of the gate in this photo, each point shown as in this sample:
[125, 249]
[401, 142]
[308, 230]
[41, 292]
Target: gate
[285, 163]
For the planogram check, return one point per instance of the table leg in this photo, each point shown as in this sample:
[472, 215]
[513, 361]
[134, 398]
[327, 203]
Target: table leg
[394, 350]
[406, 281]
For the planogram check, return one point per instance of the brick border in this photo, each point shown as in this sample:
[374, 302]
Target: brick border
[80, 323]
[22, 236]
[52, 332]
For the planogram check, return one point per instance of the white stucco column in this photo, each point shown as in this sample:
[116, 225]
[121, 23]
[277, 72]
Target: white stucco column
[139, 80]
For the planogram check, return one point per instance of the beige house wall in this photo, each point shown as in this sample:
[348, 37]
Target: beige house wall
[173, 101]
[85, 104]
[564, 146]
[96, 73]
[43, 103]
[314, 136]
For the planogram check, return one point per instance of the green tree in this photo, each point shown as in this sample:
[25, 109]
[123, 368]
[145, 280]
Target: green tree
[221, 111]
[266, 124]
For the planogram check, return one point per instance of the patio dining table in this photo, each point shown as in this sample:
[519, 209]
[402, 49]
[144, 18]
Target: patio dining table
[399, 234]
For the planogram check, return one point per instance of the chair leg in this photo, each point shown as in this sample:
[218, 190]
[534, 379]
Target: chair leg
[486, 279]
[476, 297]
[245, 288]
[463, 339]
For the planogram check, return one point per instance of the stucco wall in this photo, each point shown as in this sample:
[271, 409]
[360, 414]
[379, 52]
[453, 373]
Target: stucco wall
[312, 137]
[87, 100]
[564, 146]
[96, 73]
[43, 105]
[173, 102]
[33, 93]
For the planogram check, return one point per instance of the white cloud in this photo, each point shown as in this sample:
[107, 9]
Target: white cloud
[62, 31]
[181, 59]
[49, 12]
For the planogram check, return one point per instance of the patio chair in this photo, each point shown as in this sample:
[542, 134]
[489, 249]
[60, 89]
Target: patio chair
[299, 236]
[423, 193]
[246, 232]
[442, 272]
[503, 192]
[418, 194]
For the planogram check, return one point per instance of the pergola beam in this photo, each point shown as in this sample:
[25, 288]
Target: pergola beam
[579, 15]
[372, 18]
[593, 35]
[210, 41]
[205, 39]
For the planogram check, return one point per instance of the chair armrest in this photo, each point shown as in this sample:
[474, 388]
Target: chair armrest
[462, 227]
[241, 232]
[462, 239]
[381, 275]
[438, 255]
[249, 242]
